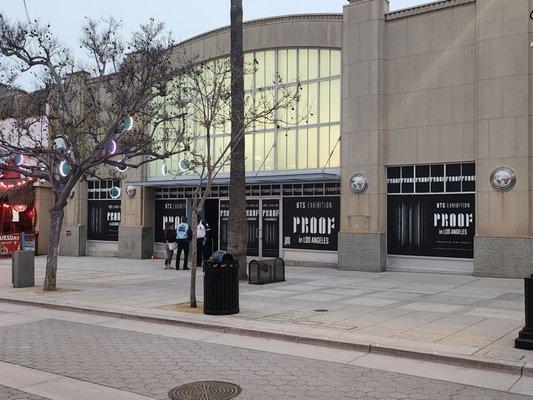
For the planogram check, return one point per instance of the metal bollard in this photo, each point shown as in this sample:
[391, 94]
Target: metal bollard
[525, 336]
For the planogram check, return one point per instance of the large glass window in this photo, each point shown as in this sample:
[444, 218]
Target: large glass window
[309, 136]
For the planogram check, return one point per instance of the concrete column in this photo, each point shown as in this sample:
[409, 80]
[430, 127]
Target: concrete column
[504, 221]
[74, 232]
[43, 203]
[362, 236]
[136, 231]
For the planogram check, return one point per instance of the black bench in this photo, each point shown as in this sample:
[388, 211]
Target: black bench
[268, 270]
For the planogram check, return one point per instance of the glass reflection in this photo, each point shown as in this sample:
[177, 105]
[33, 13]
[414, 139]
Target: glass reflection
[309, 136]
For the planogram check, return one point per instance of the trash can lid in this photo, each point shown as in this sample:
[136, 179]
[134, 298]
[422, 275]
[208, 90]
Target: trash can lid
[221, 256]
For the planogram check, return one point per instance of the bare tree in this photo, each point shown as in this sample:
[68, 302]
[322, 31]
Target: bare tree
[88, 112]
[206, 89]
[237, 189]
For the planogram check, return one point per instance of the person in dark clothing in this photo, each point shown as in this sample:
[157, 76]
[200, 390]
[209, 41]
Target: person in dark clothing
[183, 237]
[170, 244]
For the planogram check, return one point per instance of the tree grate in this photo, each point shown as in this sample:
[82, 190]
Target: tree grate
[205, 390]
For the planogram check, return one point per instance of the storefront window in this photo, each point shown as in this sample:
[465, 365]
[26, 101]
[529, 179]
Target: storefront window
[17, 214]
[103, 211]
[295, 143]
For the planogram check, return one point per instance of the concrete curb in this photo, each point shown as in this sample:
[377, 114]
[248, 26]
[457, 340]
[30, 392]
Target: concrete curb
[465, 361]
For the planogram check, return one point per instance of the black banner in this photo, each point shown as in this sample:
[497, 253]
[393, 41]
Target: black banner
[431, 225]
[168, 211]
[103, 220]
[311, 222]
[270, 227]
[224, 222]
[252, 217]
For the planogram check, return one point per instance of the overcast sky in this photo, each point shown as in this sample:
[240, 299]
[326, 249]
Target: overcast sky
[186, 18]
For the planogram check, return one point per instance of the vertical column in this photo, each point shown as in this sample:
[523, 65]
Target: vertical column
[43, 203]
[362, 236]
[74, 232]
[136, 231]
[504, 225]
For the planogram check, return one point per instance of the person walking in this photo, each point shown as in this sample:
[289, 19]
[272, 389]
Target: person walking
[183, 237]
[170, 243]
[200, 239]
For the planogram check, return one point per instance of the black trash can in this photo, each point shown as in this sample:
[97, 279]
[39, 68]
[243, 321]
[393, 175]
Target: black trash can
[221, 285]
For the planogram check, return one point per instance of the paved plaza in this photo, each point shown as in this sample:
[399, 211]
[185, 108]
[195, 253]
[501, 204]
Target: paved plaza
[58, 355]
[452, 314]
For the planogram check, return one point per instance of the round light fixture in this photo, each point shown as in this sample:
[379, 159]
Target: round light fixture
[358, 183]
[122, 167]
[18, 159]
[111, 147]
[115, 192]
[502, 179]
[64, 168]
[127, 123]
[184, 164]
[164, 170]
[20, 207]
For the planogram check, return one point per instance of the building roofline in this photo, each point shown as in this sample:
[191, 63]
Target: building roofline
[424, 8]
[265, 21]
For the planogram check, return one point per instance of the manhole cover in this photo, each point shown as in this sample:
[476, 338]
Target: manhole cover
[205, 390]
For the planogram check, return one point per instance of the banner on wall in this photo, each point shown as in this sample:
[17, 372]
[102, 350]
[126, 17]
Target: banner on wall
[252, 225]
[168, 211]
[9, 243]
[104, 220]
[431, 225]
[311, 223]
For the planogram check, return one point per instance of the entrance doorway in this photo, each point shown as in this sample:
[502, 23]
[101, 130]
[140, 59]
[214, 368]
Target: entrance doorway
[211, 218]
[262, 228]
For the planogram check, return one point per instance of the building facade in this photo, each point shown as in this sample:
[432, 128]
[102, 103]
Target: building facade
[416, 154]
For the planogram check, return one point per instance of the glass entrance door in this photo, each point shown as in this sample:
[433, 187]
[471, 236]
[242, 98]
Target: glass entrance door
[269, 232]
[262, 227]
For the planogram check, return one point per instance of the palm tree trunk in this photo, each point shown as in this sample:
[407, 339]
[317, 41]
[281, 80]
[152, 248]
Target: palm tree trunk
[56, 222]
[237, 191]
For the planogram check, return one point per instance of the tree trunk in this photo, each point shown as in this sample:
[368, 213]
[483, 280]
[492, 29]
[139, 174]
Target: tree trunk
[194, 227]
[56, 222]
[237, 190]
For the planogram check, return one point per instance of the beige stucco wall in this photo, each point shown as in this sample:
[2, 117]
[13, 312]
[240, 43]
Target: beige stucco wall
[43, 203]
[504, 109]
[430, 86]
[444, 82]
[309, 30]
[457, 89]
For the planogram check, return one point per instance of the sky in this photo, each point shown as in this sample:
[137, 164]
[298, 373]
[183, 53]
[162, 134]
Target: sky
[185, 18]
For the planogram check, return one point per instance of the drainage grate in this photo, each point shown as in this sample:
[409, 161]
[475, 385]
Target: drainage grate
[321, 310]
[205, 390]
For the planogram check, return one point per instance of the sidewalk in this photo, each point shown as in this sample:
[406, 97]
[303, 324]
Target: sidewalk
[428, 316]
